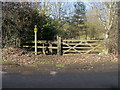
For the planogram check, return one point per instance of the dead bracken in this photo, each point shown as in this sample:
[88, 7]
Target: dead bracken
[23, 57]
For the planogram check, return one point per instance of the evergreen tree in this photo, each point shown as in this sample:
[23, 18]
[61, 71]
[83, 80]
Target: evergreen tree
[79, 18]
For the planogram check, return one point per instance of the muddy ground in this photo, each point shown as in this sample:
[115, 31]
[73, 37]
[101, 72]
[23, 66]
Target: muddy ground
[22, 61]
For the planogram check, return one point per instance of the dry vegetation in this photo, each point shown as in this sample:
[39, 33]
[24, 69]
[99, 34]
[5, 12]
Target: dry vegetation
[21, 61]
[23, 57]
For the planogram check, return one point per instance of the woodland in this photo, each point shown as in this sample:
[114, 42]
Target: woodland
[70, 20]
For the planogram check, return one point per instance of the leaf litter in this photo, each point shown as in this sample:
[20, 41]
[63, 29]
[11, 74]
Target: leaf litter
[68, 62]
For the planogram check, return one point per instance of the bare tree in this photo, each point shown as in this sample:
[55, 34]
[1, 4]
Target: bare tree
[106, 12]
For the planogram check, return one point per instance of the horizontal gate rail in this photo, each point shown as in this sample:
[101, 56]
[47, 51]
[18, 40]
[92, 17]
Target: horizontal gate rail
[81, 46]
[39, 47]
[81, 40]
[43, 41]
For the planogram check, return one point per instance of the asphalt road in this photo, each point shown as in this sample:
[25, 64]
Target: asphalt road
[61, 80]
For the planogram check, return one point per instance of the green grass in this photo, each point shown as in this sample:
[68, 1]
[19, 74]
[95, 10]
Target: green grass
[8, 62]
[47, 62]
[33, 52]
[60, 65]
[42, 62]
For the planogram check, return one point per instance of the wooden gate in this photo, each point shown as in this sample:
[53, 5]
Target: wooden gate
[82, 46]
[65, 47]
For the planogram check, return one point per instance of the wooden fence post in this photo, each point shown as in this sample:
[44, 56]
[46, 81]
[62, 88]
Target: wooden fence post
[50, 45]
[59, 52]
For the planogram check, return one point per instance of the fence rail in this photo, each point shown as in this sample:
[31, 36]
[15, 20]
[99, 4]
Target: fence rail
[65, 47]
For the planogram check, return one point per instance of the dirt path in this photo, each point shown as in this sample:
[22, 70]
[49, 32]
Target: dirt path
[86, 67]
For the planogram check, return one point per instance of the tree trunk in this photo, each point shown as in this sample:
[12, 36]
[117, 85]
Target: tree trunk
[107, 42]
[119, 28]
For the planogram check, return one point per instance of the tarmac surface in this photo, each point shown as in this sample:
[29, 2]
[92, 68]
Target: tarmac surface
[54, 79]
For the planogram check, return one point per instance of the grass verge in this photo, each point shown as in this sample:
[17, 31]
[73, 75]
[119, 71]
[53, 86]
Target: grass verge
[8, 62]
[60, 65]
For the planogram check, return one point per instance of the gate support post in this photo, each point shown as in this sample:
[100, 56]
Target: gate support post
[35, 31]
[59, 48]
[50, 45]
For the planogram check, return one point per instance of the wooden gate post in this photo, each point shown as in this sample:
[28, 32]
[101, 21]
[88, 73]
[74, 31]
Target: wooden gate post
[50, 45]
[59, 52]
[35, 31]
